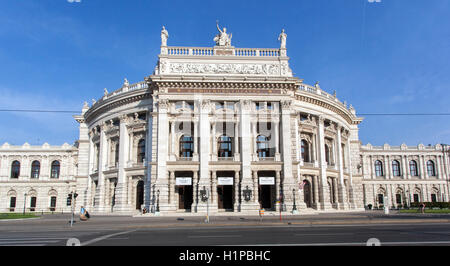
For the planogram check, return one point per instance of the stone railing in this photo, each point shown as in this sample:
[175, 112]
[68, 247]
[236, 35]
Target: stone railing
[322, 93]
[208, 51]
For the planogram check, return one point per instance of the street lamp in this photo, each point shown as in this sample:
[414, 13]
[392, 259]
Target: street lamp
[294, 208]
[24, 203]
[247, 194]
[157, 201]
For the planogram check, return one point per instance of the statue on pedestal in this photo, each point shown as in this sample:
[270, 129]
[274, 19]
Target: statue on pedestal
[282, 39]
[164, 36]
[222, 39]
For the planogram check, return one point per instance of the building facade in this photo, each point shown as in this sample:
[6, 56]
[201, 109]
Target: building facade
[224, 128]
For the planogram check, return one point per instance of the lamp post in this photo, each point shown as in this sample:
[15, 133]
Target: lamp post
[24, 203]
[294, 208]
[157, 201]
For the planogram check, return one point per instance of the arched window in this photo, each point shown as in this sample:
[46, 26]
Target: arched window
[225, 146]
[378, 168]
[327, 154]
[186, 146]
[430, 168]
[262, 146]
[55, 169]
[141, 151]
[305, 151]
[413, 168]
[15, 169]
[395, 168]
[35, 169]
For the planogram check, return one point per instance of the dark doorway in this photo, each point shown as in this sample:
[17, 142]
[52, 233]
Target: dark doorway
[139, 195]
[185, 197]
[265, 196]
[225, 197]
[307, 193]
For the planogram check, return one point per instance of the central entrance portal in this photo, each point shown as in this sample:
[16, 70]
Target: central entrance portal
[185, 197]
[225, 190]
[183, 182]
[267, 190]
[225, 194]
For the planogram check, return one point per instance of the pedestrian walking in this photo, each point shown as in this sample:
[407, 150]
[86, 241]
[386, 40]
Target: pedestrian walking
[84, 215]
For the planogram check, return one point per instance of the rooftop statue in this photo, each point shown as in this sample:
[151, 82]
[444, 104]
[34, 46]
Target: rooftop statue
[222, 39]
[164, 36]
[282, 39]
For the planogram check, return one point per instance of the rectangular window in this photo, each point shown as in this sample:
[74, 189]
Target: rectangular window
[398, 198]
[416, 197]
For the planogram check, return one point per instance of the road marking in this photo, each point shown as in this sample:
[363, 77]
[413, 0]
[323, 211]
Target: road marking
[214, 236]
[105, 237]
[355, 244]
[329, 234]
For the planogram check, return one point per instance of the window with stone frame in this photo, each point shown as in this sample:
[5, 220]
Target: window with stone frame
[379, 168]
[305, 151]
[395, 168]
[225, 146]
[55, 169]
[116, 154]
[35, 169]
[430, 168]
[263, 147]
[413, 168]
[15, 169]
[141, 151]
[186, 146]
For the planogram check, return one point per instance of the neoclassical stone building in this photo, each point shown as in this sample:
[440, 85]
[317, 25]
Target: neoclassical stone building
[224, 128]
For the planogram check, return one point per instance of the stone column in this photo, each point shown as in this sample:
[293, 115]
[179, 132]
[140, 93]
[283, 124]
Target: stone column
[236, 141]
[315, 187]
[387, 168]
[289, 182]
[214, 188]
[236, 205]
[408, 172]
[121, 189]
[195, 191]
[342, 192]
[438, 167]
[214, 142]
[255, 135]
[277, 141]
[247, 153]
[171, 197]
[196, 137]
[162, 156]
[172, 141]
[100, 193]
[255, 187]
[324, 194]
[278, 189]
[205, 149]
[148, 160]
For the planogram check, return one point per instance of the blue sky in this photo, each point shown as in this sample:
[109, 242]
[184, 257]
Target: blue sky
[388, 57]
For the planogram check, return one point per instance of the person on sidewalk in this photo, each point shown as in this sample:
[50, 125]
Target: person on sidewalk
[422, 207]
[84, 215]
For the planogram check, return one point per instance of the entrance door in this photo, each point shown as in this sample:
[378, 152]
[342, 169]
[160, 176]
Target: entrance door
[225, 196]
[139, 194]
[265, 196]
[307, 194]
[185, 197]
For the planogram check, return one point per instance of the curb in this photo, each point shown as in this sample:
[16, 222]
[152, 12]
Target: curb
[20, 219]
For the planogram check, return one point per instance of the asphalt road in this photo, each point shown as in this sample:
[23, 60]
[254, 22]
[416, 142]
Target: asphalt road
[323, 230]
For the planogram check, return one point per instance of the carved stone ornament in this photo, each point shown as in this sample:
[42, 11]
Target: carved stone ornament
[163, 103]
[286, 104]
[244, 69]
